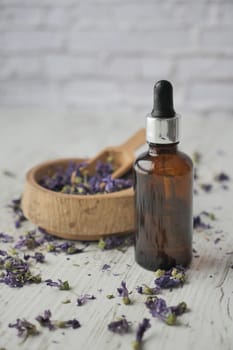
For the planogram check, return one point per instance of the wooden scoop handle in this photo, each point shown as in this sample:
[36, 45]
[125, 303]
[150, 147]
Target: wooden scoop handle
[134, 142]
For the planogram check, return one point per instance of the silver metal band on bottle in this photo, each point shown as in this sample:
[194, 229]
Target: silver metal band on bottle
[162, 130]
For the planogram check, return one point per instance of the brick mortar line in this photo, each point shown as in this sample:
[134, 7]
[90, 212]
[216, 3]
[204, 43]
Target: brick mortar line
[112, 56]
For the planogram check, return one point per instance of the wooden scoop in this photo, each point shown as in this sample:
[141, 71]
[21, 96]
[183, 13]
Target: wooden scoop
[123, 155]
[83, 217]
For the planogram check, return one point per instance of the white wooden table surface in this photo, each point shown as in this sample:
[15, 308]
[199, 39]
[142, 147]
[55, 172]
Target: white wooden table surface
[27, 138]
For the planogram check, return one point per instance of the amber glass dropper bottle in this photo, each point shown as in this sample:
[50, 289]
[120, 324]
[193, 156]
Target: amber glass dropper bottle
[163, 190]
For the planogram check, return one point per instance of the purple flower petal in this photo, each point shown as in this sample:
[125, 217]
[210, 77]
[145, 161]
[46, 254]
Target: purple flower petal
[60, 284]
[120, 326]
[198, 223]
[73, 323]
[44, 320]
[39, 257]
[206, 187]
[24, 328]
[5, 238]
[106, 267]
[17, 211]
[124, 293]
[3, 252]
[221, 177]
[84, 298]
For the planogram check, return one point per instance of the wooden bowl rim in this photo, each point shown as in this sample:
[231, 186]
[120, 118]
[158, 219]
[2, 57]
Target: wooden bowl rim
[31, 174]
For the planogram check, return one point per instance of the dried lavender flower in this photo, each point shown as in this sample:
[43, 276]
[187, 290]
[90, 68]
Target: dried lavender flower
[114, 241]
[24, 328]
[158, 308]
[68, 248]
[38, 257]
[110, 296]
[206, 187]
[17, 273]
[173, 277]
[29, 241]
[84, 298]
[73, 323]
[75, 179]
[222, 177]
[17, 211]
[68, 324]
[60, 284]
[3, 252]
[65, 247]
[179, 309]
[5, 238]
[124, 293]
[144, 289]
[106, 267]
[142, 327]
[217, 240]
[199, 224]
[44, 320]
[120, 326]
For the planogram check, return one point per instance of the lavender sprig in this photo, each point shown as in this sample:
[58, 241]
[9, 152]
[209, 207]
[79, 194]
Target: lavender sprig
[45, 321]
[142, 327]
[120, 326]
[124, 293]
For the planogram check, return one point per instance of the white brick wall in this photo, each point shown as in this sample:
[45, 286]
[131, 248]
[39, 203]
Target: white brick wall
[102, 54]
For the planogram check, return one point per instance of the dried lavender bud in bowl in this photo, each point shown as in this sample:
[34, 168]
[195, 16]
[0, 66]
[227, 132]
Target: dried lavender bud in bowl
[75, 179]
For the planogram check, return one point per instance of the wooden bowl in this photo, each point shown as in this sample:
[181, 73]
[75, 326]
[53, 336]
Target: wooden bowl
[72, 216]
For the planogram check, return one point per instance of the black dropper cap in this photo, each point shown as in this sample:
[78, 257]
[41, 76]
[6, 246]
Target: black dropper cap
[163, 100]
